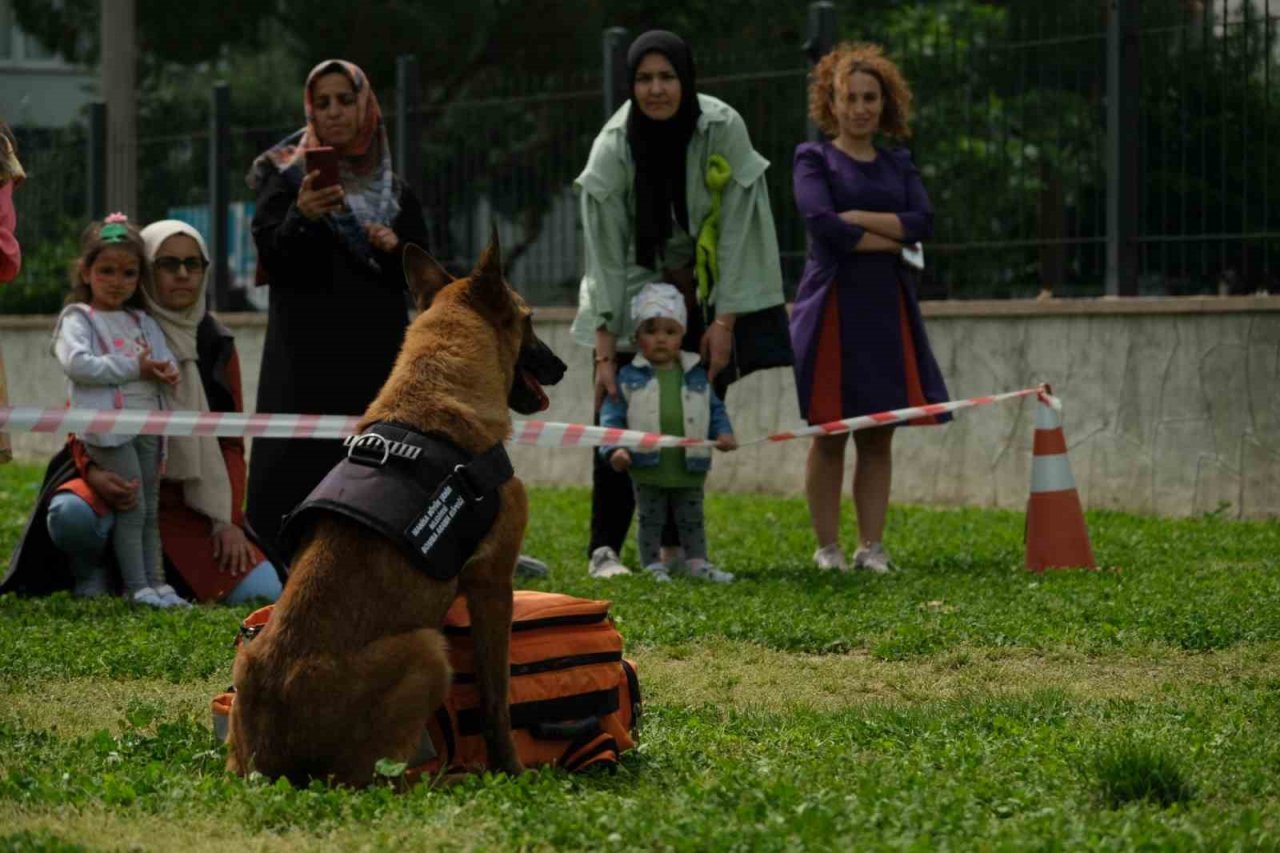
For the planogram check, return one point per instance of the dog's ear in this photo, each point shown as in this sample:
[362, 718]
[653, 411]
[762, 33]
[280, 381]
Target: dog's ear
[488, 286]
[424, 276]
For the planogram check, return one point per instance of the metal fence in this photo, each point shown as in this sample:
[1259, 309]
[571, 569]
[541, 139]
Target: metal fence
[1011, 135]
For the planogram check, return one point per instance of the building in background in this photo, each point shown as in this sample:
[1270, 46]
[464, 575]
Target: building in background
[38, 88]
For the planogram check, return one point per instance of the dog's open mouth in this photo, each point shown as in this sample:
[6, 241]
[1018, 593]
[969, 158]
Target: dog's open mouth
[536, 366]
[535, 387]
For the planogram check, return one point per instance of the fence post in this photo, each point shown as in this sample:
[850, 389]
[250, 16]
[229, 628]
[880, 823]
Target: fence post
[96, 196]
[1124, 70]
[219, 296]
[117, 28]
[408, 154]
[616, 86]
[820, 38]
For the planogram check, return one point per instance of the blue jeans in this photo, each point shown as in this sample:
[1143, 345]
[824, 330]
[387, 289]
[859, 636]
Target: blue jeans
[83, 536]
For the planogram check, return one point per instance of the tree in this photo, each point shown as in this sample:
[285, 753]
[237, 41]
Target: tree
[195, 33]
[1010, 120]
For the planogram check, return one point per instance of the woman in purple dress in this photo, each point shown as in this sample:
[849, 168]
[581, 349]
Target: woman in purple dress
[856, 328]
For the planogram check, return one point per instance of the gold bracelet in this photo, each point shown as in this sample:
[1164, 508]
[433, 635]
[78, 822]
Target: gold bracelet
[605, 359]
[719, 321]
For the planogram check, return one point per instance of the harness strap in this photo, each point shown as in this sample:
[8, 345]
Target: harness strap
[485, 472]
[421, 491]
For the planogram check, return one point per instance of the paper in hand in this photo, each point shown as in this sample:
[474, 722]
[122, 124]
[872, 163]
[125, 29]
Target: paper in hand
[914, 255]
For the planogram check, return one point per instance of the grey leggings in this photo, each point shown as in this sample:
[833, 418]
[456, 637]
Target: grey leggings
[137, 535]
[651, 515]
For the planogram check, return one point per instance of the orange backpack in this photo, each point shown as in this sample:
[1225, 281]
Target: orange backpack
[575, 701]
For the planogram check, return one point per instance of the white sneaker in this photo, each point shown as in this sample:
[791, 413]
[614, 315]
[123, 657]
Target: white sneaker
[708, 572]
[873, 558]
[831, 557]
[170, 596]
[605, 563]
[659, 572]
[147, 596]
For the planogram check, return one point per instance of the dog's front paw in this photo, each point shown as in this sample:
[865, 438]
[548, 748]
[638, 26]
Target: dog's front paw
[505, 760]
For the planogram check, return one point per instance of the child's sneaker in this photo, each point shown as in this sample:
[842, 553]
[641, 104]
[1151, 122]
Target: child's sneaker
[147, 596]
[831, 557]
[873, 558]
[708, 572]
[170, 596]
[659, 572]
[605, 563]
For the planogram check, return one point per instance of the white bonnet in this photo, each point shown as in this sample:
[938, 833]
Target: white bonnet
[659, 299]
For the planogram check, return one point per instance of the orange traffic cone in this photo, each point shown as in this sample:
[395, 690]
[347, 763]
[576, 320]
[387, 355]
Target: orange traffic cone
[1056, 534]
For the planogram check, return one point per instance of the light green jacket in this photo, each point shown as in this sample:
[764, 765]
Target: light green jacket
[750, 272]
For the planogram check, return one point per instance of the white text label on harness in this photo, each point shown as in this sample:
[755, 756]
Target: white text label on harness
[435, 522]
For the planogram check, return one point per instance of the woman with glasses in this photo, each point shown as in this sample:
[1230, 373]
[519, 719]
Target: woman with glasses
[331, 255]
[208, 557]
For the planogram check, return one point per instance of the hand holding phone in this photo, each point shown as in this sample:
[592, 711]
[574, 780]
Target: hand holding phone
[321, 190]
[324, 160]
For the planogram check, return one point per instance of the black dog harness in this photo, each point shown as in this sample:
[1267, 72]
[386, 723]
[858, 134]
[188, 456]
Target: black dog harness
[421, 491]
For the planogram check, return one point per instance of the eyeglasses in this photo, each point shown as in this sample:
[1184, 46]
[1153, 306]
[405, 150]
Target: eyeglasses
[194, 264]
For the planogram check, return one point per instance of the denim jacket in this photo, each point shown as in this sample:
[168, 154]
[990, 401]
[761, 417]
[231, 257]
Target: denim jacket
[636, 407]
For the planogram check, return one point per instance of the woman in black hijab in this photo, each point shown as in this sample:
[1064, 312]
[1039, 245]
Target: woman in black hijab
[674, 192]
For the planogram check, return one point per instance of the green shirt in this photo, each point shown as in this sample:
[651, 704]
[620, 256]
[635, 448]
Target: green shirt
[670, 472]
[750, 270]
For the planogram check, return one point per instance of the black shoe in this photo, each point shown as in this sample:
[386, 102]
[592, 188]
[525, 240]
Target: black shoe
[528, 567]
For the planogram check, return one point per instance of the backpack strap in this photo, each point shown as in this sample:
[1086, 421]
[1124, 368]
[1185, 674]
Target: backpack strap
[588, 750]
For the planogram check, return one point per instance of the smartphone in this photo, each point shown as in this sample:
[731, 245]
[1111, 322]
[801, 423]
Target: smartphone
[914, 255]
[325, 160]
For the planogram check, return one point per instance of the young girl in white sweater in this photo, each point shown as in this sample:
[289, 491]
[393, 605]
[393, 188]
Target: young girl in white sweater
[115, 357]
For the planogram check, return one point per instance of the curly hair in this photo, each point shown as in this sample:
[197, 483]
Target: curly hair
[91, 245]
[830, 78]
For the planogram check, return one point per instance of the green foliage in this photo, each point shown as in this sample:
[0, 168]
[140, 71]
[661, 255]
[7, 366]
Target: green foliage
[43, 283]
[196, 34]
[1010, 118]
[30, 842]
[1133, 771]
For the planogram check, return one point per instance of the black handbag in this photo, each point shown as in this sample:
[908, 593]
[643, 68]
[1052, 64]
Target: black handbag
[761, 339]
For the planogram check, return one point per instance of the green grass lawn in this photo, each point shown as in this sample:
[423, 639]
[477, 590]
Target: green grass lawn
[962, 704]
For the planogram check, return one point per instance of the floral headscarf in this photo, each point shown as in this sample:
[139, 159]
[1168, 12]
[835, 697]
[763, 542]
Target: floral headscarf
[365, 165]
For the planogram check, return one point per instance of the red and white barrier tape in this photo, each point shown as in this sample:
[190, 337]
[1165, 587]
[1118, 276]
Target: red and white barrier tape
[532, 433]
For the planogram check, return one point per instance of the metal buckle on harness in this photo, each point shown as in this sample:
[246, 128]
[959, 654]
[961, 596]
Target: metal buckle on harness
[369, 449]
[464, 486]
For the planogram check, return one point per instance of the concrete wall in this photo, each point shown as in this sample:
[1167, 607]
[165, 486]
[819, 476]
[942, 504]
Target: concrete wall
[1172, 405]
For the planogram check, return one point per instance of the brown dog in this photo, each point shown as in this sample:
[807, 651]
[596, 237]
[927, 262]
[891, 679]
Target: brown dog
[352, 663]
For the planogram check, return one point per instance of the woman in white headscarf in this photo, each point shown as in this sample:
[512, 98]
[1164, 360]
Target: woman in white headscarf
[202, 533]
[202, 494]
